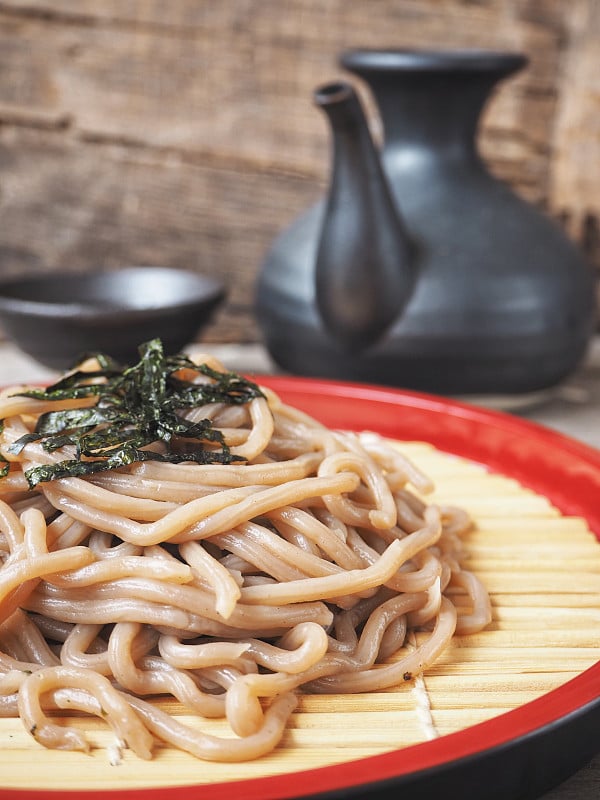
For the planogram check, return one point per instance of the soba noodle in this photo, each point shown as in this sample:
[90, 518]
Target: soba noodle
[304, 565]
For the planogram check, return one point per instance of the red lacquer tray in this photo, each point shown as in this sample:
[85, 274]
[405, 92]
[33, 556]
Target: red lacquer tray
[518, 754]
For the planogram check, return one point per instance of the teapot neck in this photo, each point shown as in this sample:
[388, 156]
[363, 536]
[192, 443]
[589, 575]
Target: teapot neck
[432, 101]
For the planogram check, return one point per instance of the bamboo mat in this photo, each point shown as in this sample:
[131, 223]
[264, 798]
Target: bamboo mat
[543, 573]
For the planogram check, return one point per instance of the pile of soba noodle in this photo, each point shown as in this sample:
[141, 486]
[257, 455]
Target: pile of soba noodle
[303, 566]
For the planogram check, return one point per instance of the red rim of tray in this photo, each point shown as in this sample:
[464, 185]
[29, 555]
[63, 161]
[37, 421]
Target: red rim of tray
[564, 470]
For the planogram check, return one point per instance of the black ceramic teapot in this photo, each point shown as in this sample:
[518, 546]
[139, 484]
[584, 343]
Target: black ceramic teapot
[420, 269]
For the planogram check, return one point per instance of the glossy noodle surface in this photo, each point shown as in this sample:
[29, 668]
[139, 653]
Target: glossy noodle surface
[310, 562]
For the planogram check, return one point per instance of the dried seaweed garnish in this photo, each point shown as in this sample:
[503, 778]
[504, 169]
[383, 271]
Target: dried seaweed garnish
[4, 465]
[136, 407]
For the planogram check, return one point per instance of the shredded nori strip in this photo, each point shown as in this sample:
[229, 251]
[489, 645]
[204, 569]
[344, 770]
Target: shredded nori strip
[136, 407]
[4, 465]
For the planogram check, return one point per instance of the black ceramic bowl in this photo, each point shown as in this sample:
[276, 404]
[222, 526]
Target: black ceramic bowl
[56, 317]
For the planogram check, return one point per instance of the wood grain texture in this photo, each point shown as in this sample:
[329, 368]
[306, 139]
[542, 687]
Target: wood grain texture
[544, 632]
[575, 167]
[185, 133]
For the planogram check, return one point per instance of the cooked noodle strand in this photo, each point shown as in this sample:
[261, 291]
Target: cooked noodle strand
[308, 560]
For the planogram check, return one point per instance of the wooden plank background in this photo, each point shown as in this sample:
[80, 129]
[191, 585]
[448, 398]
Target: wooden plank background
[183, 133]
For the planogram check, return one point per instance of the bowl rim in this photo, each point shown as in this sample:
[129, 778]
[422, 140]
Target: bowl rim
[211, 289]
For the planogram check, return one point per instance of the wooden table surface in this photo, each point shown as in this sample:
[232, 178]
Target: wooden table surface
[573, 409]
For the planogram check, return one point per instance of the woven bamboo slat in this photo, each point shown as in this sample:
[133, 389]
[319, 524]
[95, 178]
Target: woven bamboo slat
[543, 572]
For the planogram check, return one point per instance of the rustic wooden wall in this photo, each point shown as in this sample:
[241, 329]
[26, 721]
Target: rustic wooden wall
[183, 133]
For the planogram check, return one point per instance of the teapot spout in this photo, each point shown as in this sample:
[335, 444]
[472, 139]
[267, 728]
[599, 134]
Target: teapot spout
[364, 270]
